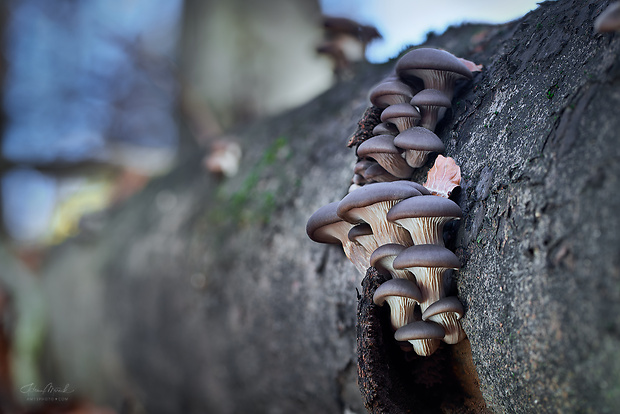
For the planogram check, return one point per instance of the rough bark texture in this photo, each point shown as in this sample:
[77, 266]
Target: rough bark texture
[212, 298]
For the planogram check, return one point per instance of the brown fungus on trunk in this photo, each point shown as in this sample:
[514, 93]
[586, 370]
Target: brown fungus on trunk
[424, 217]
[429, 263]
[432, 105]
[370, 204]
[424, 336]
[403, 115]
[402, 295]
[383, 257]
[377, 174]
[447, 312]
[385, 128]
[362, 234]
[382, 149]
[325, 226]
[389, 93]
[438, 69]
[418, 143]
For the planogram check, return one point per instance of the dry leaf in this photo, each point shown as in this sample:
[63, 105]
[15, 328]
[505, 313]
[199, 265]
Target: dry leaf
[471, 65]
[443, 177]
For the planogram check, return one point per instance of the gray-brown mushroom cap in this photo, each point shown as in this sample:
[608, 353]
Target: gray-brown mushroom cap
[430, 59]
[382, 258]
[430, 97]
[389, 93]
[420, 330]
[372, 194]
[444, 305]
[402, 288]
[420, 139]
[438, 69]
[432, 105]
[385, 128]
[382, 149]
[427, 206]
[376, 173]
[426, 255]
[359, 230]
[321, 218]
[418, 142]
[402, 115]
[609, 19]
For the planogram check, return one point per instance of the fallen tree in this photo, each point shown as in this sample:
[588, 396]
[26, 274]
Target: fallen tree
[205, 295]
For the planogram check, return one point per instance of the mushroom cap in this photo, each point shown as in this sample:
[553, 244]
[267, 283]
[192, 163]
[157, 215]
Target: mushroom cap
[426, 206]
[401, 110]
[443, 305]
[391, 249]
[378, 144]
[382, 149]
[403, 288]
[390, 92]
[419, 139]
[324, 216]
[431, 59]
[362, 165]
[362, 229]
[378, 174]
[426, 255]
[418, 186]
[385, 128]
[382, 258]
[372, 194]
[419, 330]
[431, 97]
[609, 19]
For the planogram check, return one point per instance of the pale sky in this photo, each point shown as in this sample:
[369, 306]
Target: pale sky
[406, 22]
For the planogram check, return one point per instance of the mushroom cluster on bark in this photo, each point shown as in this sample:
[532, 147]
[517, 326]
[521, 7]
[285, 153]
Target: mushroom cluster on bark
[394, 224]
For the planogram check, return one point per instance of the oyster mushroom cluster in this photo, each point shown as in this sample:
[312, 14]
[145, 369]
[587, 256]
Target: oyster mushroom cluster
[394, 224]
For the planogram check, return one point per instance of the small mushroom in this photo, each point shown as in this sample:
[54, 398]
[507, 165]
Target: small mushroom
[385, 128]
[429, 263]
[402, 295]
[390, 93]
[377, 174]
[425, 217]
[383, 257]
[609, 20]
[438, 69]
[325, 226]
[432, 105]
[423, 335]
[382, 149]
[370, 204]
[418, 143]
[403, 115]
[362, 234]
[447, 312]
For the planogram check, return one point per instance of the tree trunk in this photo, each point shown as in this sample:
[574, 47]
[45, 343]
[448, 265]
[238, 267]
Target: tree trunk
[215, 300]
